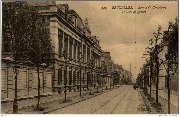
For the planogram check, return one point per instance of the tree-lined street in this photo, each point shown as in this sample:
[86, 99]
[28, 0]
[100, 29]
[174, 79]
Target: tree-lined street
[59, 58]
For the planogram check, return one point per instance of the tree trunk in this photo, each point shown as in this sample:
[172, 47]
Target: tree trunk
[151, 73]
[38, 87]
[157, 76]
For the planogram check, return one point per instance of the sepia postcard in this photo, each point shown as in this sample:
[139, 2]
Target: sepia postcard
[89, 57]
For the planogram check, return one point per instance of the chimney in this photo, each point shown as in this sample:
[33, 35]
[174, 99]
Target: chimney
[64, 8]
[66, 11]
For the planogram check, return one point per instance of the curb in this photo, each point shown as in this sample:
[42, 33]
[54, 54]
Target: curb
[165, 99]
[152, 110]
[51, 109]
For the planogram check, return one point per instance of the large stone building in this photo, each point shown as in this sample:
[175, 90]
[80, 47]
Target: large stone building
[107, 61]
[76, 56]
[74, 48]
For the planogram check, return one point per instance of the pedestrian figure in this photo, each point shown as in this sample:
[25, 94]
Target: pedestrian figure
[90, 89]
[97, 86]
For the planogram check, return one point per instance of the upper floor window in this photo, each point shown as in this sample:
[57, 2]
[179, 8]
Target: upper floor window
[88, 55]
[75, 45]
[60, 37]
[70, 47]
[65, 46]
[84, 53]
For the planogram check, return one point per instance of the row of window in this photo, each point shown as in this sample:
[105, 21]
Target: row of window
[74, 77]
[72, 48]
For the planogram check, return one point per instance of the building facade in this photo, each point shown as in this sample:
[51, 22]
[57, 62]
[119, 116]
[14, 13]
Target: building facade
[107, 64]
[76, 57]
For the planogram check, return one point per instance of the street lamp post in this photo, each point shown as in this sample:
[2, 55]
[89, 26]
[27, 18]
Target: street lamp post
[65, 55]
[15, 103]
[65, 83]
[8, 60]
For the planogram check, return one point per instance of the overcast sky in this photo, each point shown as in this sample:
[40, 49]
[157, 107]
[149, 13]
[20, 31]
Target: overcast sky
[125, 35]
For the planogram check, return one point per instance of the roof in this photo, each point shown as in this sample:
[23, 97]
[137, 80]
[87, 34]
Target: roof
[73, 12]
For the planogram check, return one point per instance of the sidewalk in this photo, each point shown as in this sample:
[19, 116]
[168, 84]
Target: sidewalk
[7, 107]
[163, 100]
[49, 103]
[164, 94]
[147, 103]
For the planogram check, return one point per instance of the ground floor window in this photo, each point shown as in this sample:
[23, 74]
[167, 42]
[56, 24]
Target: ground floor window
[74, 77]
[3, 79]
[22, 79]
[59, 76]
[49, 79]
[70, 77]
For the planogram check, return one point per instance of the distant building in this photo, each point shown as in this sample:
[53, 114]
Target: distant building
[107, 64]
[107, 61]
[127, 76]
